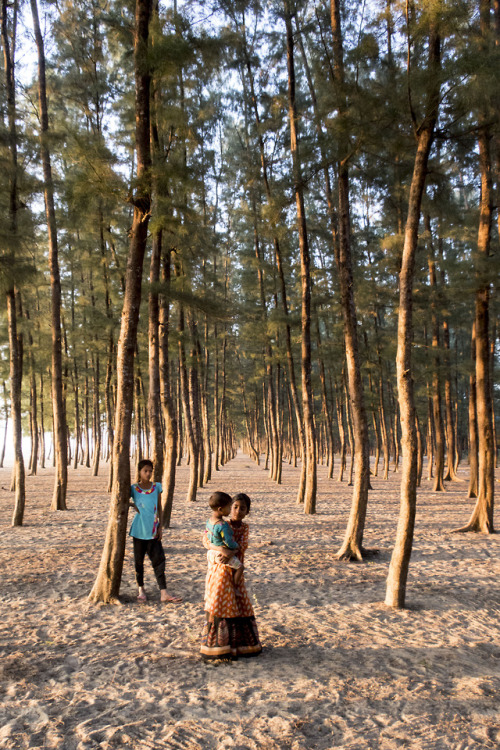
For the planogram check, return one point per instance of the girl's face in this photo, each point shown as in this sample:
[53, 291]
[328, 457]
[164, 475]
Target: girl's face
[238, 510]
[145, 474]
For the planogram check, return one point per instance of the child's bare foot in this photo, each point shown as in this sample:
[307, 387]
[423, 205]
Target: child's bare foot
[141, 597]
[168, 598]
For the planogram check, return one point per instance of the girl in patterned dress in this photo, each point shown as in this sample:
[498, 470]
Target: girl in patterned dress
[230, 630]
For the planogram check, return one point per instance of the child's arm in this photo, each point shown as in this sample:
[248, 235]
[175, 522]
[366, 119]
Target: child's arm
[225, 551]
[131, 502]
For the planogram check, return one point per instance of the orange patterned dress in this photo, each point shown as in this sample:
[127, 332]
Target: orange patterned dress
[230, 630]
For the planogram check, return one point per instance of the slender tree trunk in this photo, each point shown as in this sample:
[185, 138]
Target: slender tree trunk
[310, 456]
[188, 417]
[482, 515]
[216, 402]
[15, 340]
[107, 584]
[76, 396]
[436, 382]
[97, 417]
[473, 441]
[109, 409]
[154, 398]
[400, 559]
[15, 397]
[450, 422]
[168, 407]
[205, 413]
[86, 456]
[42, 426]
[6, 417]
[34, 410]
[60, 429]
[341, 427]
[429, 437]
[194, 400]
[353, 540]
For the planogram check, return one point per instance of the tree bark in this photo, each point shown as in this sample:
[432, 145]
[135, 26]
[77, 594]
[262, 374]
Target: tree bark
[107, 584]
[400, 559]
[60, 429]
[473, 441]
[482, 515]
[436, 381]
[167, 403]
[154, 398]
[15, 340]
[305, 275]
[351, 548]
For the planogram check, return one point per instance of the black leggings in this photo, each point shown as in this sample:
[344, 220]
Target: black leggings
[154, 550]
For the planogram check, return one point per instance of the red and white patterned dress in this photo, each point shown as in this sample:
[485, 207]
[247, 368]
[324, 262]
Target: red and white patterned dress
[230, 630]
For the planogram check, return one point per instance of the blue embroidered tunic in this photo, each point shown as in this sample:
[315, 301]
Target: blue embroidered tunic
[146, 522]
[221, 534]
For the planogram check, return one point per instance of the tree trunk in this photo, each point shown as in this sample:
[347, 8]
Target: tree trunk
[352, 545]
[167, 404]
[188, 417]
[60, 429]
[473, 442]
[42, 426]
[97, 417]
[305, 275]
[482, 515]
[15, 340]
[400, 559]
[436, 381]
[6, 417]
[109, 408]
[107, 584]
[154, 398]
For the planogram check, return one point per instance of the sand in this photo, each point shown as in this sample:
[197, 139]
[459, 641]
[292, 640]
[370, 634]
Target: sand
[339, 669]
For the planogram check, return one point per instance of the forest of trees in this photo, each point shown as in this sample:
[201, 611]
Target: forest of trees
[268, 225]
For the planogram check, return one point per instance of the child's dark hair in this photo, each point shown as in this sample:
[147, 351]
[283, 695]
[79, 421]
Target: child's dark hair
[143, 463]
[242, 498]
[219, 500]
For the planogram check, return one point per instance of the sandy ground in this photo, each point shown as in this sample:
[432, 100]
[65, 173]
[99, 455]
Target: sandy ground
[339, 670]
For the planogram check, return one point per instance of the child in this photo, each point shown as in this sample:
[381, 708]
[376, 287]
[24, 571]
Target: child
[239, 509]
[146, 531]
[220, 534]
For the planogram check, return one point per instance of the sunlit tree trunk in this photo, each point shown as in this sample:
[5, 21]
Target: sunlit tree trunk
[60, 430]
[154, 399]
[107, 584]
[167, 403]
[436, 380]
[352, 545]
[305, 274]
[473, 441]
[482, 515]
[15, 340]
[400, 559]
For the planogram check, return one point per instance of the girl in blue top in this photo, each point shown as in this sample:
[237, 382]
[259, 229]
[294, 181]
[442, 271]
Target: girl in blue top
[146, 531]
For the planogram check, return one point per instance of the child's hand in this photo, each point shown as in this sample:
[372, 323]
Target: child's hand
[159, 533]
[226, 552]
[132, 505]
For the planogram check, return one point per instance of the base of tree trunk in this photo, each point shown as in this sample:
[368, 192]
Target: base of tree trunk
[475, 527]
[96, 598]
[351, 552]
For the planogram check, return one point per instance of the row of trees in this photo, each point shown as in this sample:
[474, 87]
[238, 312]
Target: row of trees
[301, 184]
